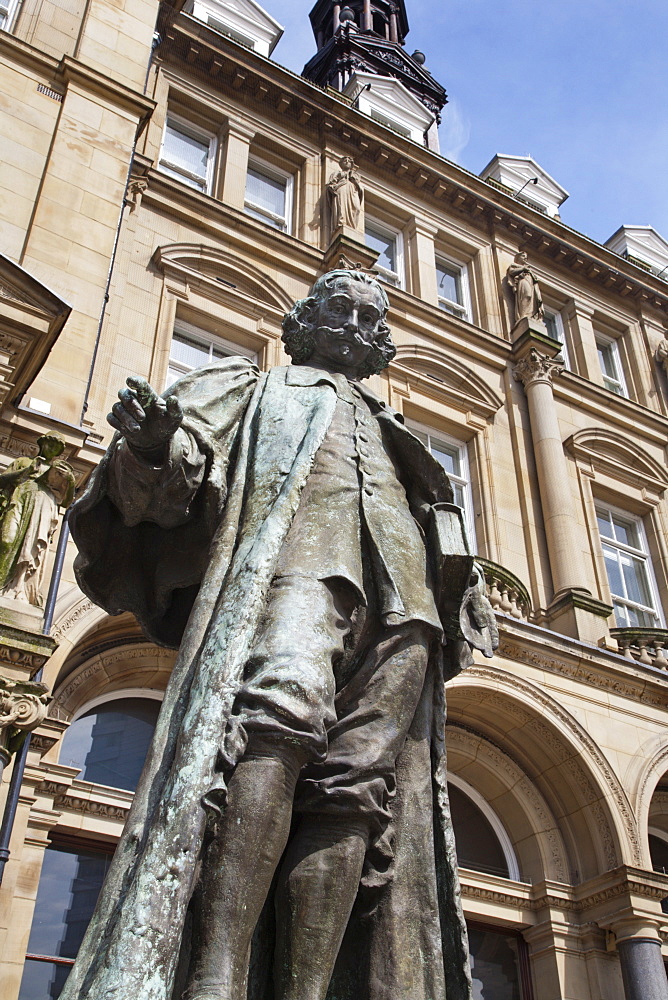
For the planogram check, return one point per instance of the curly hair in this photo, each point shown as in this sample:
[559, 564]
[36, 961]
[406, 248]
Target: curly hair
[299, 324]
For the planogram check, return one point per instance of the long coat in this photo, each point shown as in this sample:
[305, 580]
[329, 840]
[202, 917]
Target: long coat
[199, 580]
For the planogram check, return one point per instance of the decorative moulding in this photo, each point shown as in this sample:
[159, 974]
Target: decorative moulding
[448, 378]
[603, 451]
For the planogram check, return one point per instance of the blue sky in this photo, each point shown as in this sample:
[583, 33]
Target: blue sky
[580, 85]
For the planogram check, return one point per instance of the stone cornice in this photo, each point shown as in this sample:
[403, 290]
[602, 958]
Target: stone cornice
[304, 103]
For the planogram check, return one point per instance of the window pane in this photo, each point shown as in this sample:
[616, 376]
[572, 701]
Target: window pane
[553, 328]
[621, 615]
[626, 532]
[189, 352]
[385, 247]
[658, 849]
[640, 619]
[604, 524]
[185, 152]
[449, 283]
[265, 192]
[478, 846]
[460, 499]
[110, 742]
[635, 578]
[614, 572]
[448, 457]
[69, 885]
[606, 360]
[43, 980]
[494, 965]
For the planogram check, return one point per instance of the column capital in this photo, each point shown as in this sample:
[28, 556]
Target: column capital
[536, 367]
[239, 130]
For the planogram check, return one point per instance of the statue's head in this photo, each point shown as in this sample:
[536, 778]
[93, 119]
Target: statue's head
[62, 483]
[51, 445]
[341, 325]
[347, 163]
[521, 257]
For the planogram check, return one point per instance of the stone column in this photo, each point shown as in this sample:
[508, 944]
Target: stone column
[336, 23]
[536, 371]
[572, 606]
[643, 971]
[235, 167]
[394, 29]
[367, 17]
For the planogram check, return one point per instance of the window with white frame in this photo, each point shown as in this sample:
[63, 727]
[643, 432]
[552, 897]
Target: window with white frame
[453, 288]
[611, 365]
[554, 322]
[193, 348]
[629, 568]
[188, 154]
[8, 10]
[269, 195]
[388, 245]
[453, 456]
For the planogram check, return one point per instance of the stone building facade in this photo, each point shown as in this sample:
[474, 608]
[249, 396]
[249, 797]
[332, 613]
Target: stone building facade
[164, 203]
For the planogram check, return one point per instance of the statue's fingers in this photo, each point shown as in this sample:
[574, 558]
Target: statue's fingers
[127, 422]
[129, 400]
[174, 408]
[146, 394]
[116, 424]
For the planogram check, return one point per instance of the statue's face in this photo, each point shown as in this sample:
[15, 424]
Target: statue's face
[346, 324]
[50, 448]
[346, 163]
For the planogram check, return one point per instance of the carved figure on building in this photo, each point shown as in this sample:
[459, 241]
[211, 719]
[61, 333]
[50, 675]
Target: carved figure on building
[31, 492]
[346, 195]
[524, 284]
[662, 353]
[274, 525]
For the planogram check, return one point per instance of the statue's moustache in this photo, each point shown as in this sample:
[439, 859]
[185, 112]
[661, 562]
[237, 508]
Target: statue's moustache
[341, 334]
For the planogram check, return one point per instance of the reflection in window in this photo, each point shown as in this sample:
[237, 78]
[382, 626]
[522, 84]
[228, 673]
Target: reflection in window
[452, 282]
[109, 743]
[453, 457]
[268, 195]
[387, 246]
[611, 366]
[478, 846]
[496, 960]
[69, 885]
[186, 154]
[628, 567]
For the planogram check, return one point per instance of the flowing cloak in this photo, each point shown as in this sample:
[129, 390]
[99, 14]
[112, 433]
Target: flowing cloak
[199, 578]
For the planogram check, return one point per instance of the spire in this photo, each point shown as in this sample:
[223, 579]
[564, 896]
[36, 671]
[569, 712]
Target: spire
[368, 36]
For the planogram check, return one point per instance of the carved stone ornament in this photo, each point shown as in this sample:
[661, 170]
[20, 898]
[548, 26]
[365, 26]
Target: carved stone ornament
[536, 367]
[23, 706]
[524, 284]
[346, 195]
[31, 492]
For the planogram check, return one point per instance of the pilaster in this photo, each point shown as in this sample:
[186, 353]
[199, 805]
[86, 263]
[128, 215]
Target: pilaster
[238, 138]
[421, 237]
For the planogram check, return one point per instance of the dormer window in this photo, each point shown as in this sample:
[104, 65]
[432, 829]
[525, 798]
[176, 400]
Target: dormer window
[242, 20]
[390, 103]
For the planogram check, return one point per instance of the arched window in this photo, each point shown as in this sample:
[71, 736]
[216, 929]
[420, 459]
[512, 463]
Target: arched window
[482, 843]
[110, 742]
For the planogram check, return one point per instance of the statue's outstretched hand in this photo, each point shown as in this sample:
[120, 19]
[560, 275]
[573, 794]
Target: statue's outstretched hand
[146, 420]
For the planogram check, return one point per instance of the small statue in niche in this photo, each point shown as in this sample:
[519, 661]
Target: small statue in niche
[662, 353]
[346, 195]
[31, 492]
[524, 283]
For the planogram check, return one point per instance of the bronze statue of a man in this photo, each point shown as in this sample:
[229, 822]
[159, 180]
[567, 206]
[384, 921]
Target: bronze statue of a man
[290, 837]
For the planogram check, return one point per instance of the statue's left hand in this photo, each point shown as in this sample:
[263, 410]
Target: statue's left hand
[146, 420]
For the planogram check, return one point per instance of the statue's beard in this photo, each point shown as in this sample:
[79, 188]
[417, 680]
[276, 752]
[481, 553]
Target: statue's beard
[343, 340]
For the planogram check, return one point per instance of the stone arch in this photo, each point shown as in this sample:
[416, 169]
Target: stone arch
[602, 450]
[193, 263]
[652, 765]
[463, 388]
[594, 816]
[521, 808]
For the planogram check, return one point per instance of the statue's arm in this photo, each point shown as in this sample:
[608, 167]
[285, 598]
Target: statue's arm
[156, 466]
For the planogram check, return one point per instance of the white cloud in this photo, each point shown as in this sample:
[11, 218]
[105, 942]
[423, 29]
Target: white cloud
[455, 130]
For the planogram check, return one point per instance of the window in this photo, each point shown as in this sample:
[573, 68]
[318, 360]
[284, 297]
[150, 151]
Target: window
[388, 246]
[269, 195]
[109, 743]
[499, 964]
[69, 885]
[453, 288]
[478, 846]
[453, 457]
[187, 153]
[629, 569]
[555, 329]
[7, 11]
[611, 365]
[192, 348]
